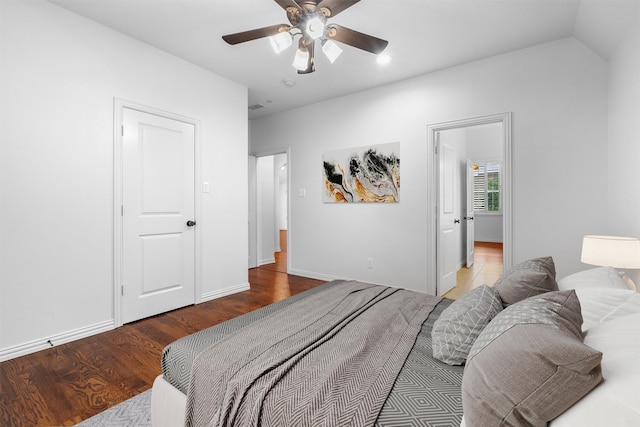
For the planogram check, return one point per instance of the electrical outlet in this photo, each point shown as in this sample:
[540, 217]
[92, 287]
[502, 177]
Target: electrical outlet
[370, 262]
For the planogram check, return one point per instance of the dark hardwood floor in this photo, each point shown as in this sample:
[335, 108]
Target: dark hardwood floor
[72, 382]
[280, 257]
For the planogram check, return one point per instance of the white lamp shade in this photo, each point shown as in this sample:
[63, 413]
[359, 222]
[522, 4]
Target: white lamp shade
[611, 251]
[331, 50]
[301, 60]
[281, 41]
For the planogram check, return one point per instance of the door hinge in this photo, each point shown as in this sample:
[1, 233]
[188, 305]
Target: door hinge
[122, 130]
[122, 290]
[435, 149]
[121, 210]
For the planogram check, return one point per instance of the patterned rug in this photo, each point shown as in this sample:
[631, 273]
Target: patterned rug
[134, 412]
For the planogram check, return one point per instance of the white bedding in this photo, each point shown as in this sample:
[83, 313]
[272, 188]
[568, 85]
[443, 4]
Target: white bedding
[167, 404]
[616, 401]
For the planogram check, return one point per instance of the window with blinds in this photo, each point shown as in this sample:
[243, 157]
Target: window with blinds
[486, 187]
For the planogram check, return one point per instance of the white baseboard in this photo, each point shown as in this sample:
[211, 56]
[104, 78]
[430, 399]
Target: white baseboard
[62, 338]
[266, 261]
[224, 292]
[313, 275]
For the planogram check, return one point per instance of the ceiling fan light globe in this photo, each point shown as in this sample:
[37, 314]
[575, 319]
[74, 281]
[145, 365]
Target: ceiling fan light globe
[301, 60]
[281, 41]
[315, 28]
[331, 50]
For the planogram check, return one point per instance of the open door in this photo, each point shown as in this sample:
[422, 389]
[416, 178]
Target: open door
[435, 132]
[448, 225]
[468, 218]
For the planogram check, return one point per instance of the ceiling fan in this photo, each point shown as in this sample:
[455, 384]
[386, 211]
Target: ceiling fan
[308, 19]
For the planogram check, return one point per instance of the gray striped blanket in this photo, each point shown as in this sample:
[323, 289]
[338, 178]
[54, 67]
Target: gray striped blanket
[330, 359]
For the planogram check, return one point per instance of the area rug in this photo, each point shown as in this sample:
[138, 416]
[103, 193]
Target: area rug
[134, 412]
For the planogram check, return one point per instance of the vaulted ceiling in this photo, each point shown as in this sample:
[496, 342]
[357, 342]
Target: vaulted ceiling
[424, 36]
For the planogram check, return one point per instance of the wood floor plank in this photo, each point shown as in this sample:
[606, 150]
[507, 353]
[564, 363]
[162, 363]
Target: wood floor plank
[66, 384]
[487, 268]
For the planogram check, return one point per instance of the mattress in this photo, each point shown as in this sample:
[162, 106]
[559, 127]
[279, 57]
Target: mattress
[426, 391]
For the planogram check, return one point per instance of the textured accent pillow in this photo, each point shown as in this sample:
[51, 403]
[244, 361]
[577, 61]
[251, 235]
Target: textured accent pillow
[527, 279]
[529, 364]
[459, 325]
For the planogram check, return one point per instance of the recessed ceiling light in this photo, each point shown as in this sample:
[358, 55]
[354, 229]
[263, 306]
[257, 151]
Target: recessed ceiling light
[288, 83]
[383, 59]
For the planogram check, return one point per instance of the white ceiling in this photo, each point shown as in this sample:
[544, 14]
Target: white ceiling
[424, 36]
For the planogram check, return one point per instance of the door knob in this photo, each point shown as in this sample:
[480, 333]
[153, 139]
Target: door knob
[456, 221]
[191, 223]
[468, 218]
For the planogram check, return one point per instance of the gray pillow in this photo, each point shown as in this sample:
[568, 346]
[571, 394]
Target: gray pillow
[529, 364]
[457, 328]
[527, 279]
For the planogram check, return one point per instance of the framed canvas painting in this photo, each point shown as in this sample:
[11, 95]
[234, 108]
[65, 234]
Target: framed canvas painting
[368, 174]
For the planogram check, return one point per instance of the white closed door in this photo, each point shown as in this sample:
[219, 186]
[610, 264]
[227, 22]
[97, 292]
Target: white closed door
[447, 226]
[158, 210]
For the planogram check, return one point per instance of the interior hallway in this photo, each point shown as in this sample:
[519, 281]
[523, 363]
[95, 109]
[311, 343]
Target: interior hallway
[486, 269]
[280, 265]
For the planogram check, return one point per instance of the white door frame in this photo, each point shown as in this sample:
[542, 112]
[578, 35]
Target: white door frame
[118, 106]
[432, 190]
[286, 151]
[253, 213]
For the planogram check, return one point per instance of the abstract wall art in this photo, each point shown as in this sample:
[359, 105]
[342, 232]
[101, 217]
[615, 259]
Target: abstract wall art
[362, 175]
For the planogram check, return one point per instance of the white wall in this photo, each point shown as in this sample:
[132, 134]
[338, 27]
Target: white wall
[266, 210]
[60, 75]
[558, 95]
[623, 201]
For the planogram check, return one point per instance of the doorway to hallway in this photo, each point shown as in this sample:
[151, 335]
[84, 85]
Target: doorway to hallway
[487, 267]
[280, 264]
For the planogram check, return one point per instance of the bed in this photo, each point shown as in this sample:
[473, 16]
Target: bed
[363, 354]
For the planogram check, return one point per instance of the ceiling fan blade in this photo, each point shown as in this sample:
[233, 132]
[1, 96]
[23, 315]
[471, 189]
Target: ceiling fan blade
[311, 63]
[356, 39]
[336, 6]
[258, 33]
[287, 3]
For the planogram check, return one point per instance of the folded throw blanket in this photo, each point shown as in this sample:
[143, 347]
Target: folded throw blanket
[330, 359]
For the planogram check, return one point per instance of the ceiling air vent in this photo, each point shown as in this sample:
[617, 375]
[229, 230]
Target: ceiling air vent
[255, 107]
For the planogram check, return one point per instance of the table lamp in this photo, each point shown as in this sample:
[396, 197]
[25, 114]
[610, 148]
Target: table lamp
[612, 251]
